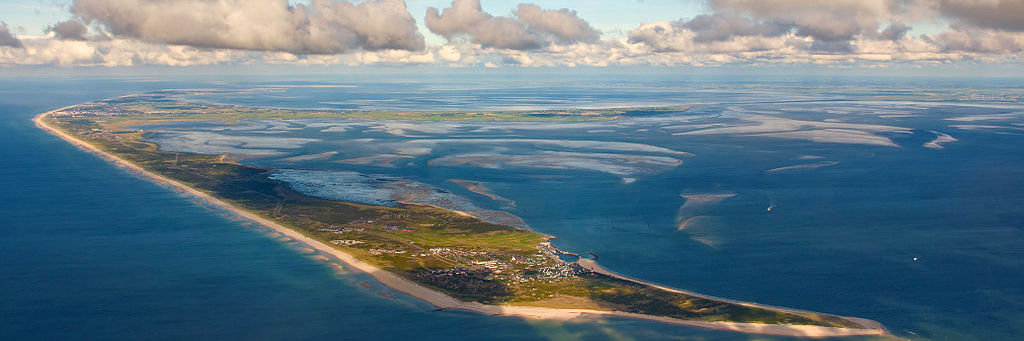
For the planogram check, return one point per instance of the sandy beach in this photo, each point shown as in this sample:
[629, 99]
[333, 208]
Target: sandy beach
[443, 301]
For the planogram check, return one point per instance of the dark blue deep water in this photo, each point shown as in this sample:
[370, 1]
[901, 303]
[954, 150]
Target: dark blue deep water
[89, 251]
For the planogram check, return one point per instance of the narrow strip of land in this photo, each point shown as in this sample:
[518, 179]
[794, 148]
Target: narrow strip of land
[444, 301]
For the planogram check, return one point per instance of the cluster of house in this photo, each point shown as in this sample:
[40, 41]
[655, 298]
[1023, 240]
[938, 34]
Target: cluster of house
[378, 252]
[447, 251]
[340, 229]
[559, 270]
[541, 265]
[544, 264]
[357, 225]
[92, 110]
[393, 228]
[346, 242]
[360, 226]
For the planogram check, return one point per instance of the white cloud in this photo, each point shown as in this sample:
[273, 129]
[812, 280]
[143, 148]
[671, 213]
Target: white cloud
[322, 27]
[531, 28]
[837, 32]
[973, 39]
[449, 54]
[113, 52]
[564, 24]
[330, 32]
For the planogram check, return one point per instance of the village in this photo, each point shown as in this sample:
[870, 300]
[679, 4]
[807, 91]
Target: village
[93, 110]
[543, 264]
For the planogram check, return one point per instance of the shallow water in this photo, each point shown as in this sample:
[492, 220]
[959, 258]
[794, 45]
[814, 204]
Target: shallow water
[92, 252]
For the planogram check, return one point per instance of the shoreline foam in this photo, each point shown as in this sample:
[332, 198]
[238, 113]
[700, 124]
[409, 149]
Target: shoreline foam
[443, 301]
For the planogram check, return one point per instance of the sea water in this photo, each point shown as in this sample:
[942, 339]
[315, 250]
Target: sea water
[926, 241]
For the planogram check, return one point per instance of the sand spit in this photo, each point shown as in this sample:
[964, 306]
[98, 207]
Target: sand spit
[758, 125]
[443, 301]
[310, 157]
[871, 327]
[382, 160]
[696, 204]
[940, 138]
[708, 198]
[806, 166]
[481, 189]
[693, 216]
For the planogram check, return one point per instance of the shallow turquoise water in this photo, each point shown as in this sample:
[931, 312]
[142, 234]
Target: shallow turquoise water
[92, 252]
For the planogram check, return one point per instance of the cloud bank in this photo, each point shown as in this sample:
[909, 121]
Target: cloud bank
[994, 14]
[873, 33]
[531, 28]
[822, 31]
[322, 27]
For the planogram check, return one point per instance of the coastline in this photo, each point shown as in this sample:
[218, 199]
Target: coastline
[443, 301]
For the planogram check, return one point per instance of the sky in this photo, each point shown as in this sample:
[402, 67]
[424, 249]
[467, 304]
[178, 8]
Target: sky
[607, 16]
[750, 34]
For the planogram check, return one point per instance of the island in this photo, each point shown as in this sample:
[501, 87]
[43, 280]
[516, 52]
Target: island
[453, 260]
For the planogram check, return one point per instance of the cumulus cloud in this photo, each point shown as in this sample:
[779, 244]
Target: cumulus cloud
[466, 17]
[783, 26]
[7, 38]
[894, 32]
[322, 27]
[69, 30]
[835, 20]
[676, 36]
[964, 38]
[382, 32]
[449, 54]
[989, 27]
[564, 24]
[723, 26]
[116, 52]
[995, 14]
[847, 30]
[531, 28]
[112, 52]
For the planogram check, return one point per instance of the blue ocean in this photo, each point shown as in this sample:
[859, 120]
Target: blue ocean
[895, 199]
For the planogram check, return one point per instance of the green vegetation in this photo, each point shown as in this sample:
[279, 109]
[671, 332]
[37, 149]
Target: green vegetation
[462, 256]
[154, 107]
